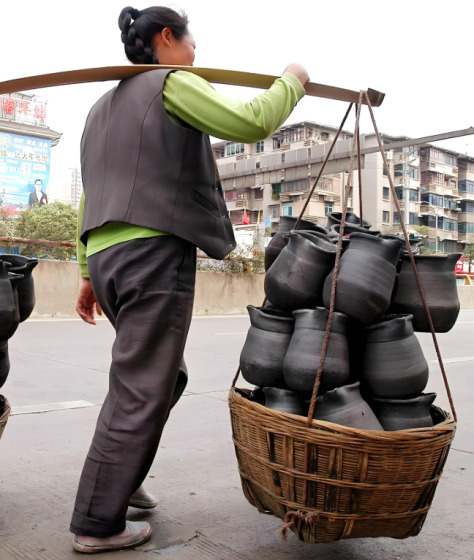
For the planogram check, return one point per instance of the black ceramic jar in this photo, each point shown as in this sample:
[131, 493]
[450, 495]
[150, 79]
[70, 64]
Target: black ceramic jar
[268, 338]
[296, 278]
[291, 402]
[4, 362]
[346, 407]
[349, 229]
[394, 364]
[437, 273]
[366, 277]
[26, 288]
[334, 219]
[277, 243]
[304, 353]
[399, 414]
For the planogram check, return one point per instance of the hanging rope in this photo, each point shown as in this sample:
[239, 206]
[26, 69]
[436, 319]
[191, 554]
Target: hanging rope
[336, 270]
[412, 259]
[360, 178]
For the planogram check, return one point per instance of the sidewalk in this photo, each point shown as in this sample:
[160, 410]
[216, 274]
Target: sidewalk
[202, 512]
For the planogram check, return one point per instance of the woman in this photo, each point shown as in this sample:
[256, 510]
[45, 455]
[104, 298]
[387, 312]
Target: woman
[150, 197]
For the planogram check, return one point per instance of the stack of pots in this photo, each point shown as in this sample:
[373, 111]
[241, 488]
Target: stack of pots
[17, 300]
[374, 372]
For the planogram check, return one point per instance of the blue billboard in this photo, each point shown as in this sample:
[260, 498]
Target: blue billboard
[23, 160]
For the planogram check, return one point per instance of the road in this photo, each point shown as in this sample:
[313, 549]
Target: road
[57, 384]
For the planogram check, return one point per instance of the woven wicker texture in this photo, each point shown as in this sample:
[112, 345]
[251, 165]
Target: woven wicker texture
[329, 482]
[4, 413]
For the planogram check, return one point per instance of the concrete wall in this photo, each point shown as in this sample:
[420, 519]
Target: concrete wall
[466, 296]
[57, 285]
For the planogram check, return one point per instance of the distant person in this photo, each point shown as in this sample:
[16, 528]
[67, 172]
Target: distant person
[38, 196]
[150, 197]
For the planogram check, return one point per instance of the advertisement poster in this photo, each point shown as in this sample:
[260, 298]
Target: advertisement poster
[23, 161]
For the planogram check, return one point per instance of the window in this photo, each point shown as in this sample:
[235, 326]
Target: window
[466, 186]
[386, 193]
[450, 203]
[275, 213]
[235, 149]
[450, 246]
[292, 135]
[258, 194]
[415, 173]
[396, 217]
[328, 208]
[260, 147]
[450, 225]
[431, 177]
[466, 227]
[276, 188]
[413, 219]
[399, 193]
[467, 206]
[413, 197]
[288, 209]
[398, 170]
[230, 195]
[291, 186]
[384, 171]
[276, 143]
[451, 160]
[433, 199]
[385, 217]
[429, 221]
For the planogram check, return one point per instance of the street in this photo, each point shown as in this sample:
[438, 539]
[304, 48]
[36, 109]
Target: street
[57, 383]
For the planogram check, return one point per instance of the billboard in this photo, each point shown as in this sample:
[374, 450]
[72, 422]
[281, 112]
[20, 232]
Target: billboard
[23, 160]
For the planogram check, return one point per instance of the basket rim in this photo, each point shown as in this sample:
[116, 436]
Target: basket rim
[447, 425]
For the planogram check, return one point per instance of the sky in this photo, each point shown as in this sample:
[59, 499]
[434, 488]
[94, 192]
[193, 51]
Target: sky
[418, 52]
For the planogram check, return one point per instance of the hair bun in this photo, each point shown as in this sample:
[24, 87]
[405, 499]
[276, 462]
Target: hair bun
[125, 19]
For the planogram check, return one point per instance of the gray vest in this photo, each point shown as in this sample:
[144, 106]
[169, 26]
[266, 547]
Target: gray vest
[141, 168]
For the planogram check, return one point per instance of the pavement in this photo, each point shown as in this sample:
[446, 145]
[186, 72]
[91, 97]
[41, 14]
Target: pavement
[57, 384]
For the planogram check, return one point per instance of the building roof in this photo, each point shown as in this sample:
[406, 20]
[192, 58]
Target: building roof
[30, 130]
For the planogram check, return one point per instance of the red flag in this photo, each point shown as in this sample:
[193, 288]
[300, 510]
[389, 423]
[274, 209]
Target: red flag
[246, 220]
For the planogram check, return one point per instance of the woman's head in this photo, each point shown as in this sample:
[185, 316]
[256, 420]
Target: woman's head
[158, 35]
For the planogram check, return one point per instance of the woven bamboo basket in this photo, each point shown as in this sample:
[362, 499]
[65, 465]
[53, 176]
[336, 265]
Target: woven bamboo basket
[328, 482]
[4, 413]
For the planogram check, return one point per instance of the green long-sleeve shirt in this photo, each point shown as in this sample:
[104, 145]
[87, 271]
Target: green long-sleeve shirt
[190, 99]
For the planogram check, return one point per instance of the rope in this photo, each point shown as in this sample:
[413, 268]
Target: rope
[336, 269]
[412, 259]
[322, 167]
[360, 179]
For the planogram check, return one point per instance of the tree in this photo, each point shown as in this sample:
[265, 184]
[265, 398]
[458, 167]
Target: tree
[468, 252]
[424, 231]
[52, 222]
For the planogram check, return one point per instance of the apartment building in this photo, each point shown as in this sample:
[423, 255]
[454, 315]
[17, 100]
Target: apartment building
[272, 178]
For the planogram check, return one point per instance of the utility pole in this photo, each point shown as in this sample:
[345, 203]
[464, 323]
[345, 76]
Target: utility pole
[406, 188]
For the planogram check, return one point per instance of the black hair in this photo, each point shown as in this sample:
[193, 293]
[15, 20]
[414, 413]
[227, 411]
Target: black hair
[36, 180]
[138, 36]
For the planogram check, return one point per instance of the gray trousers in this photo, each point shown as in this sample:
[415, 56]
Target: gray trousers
[146, 289]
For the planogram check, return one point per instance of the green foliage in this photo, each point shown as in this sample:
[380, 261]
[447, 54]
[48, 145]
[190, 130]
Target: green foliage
[468, 252]
[246, 258]
[52, 222]
[424, 231]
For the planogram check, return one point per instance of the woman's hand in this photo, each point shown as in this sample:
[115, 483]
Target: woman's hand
[298, 71]
[86, 303]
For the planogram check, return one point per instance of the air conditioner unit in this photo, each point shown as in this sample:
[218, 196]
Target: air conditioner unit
[389, 155]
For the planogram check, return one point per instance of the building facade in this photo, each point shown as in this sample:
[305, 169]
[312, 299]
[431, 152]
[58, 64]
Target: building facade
[272, 178]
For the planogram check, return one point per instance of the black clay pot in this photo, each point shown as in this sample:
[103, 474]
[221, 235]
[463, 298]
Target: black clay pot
[15, 280]
[282, 400]
[296, 278]
[346, 407]
[287, 223]
[334, 219]
[355, 334]
[26, 288]
[9, 314]
[345, 243]
[4, 362]
[394, 364]
[304, 353]
[261, 360]
[366, 278]
[438, 276]
[349, 229]
[404, 414]
[414, 243]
